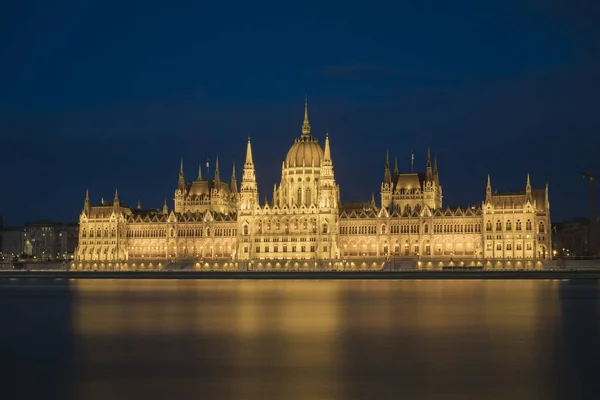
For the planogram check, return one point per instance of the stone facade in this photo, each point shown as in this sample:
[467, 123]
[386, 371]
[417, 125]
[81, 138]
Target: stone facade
[305, 224]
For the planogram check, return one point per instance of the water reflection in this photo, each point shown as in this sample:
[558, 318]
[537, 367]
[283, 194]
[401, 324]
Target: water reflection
[322, 339]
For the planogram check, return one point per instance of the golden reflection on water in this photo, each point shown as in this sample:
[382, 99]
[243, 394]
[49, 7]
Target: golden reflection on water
[315, 339]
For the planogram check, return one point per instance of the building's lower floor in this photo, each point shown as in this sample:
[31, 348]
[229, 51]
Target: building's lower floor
[355, 264]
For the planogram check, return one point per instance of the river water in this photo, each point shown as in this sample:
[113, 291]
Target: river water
[184, 339]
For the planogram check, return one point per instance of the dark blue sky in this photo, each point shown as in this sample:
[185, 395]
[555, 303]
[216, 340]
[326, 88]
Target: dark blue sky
[105, 94]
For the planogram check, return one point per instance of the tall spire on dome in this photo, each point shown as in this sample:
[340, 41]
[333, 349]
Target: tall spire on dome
[306, 124]
[200, 171]
[217, 174]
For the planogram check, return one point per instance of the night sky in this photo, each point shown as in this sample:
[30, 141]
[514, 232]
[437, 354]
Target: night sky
[106, 94]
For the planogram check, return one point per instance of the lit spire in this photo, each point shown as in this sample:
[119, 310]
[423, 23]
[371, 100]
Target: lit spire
[233, 180]
[217, 174]
[181, 181]
[165, 207]
[489, 183]
[86, 203]
[327, 154]
[139, 205]
[387, 177]
[429, 173]
[200, 171]
[249, 153]
[396, 172]
[116, 200]
[306, 124]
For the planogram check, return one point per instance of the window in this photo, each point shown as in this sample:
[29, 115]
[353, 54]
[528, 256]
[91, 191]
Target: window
[528, 225]
[498, 225]
[519, 246]
[303, 248]
[275, 249]
[285, 248]
[266, 249]
[488, 226]
[541, 228]
[324, 248]
[426, 228]
[528, 246]
[258, 249]
[489, 247]
[509, 246]
[383, 230]
[245, 229]
[325, 228]
[508, 225]
[498, 246]
[312, 248]
[293, 248]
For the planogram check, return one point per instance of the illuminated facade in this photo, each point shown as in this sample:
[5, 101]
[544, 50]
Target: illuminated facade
[215, 225]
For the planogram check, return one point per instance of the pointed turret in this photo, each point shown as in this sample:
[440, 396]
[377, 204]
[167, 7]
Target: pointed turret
[249, 153]
[488, 190]
[248, 188]
[200, 172]
[429, 172]
[116, 202]
[396, 171]
[165, 209]
[217, 174]
[233, 180]
[373, 200]
[306, 124]
[86, 203]
[274, 194]
[528, 189]
[387, 176]
[327, 153]
[436, 176]
[139, 205]
[181, 181]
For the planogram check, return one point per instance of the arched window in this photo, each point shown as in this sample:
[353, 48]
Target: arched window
[299, 201]
[308, 199]
[383, 230]
[488, 226]
[518, 225]
[207, 231]
[325, 228]
[541, 228]
[528, 225]
[498, 225]
[245, 229]
[508, 225]
[83, 233]
[259, 227]
[426, 228]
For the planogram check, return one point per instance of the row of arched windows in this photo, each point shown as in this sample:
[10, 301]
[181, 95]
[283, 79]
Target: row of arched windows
[99, 233]
[508, 226]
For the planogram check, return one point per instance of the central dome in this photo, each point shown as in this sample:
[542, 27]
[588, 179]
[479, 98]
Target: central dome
[304, 152]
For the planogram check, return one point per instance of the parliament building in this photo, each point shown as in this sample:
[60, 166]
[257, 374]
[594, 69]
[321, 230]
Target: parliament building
[219, 225]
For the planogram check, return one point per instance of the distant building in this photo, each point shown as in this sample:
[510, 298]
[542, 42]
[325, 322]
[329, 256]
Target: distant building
[571, 238]
[305, 225]
[49, 240]
[12, 243]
